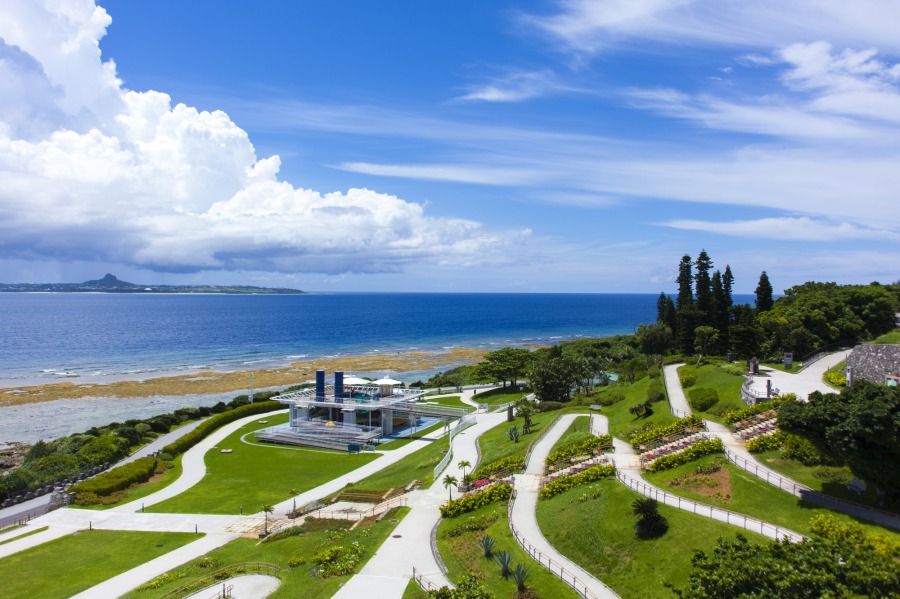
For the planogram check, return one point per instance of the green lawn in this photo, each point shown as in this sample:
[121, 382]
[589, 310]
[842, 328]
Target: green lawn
[621, 421]
[892, 338]
[499, 396]
[420, 434]
[157, 483]
[76, 562]
[414, 591]
[297, 581]
[754, 497]
[416, 466]
[728, 386]
[23, 535]
[579, 430]
[597, 534]
[495, 443]
[807, 475]
[256, 474]
[449, 400]
[462, 555]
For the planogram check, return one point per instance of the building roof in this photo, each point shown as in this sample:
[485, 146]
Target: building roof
[874, 362]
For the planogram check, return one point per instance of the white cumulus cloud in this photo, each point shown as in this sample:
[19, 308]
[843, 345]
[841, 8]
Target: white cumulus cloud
[90, 170]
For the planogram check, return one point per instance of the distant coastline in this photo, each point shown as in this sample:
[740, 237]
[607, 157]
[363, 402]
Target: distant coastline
[111, 284]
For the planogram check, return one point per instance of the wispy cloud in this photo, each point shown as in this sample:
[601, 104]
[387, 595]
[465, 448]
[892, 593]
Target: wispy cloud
[514, 88]
[785, 228]
[467, 173]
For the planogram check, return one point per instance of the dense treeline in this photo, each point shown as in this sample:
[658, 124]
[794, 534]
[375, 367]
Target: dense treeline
[67, 457]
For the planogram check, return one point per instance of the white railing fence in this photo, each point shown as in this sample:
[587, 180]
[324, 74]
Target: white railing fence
[463, 423]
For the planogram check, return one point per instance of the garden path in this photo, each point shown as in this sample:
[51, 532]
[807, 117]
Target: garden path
[803, 382]
[523, 510]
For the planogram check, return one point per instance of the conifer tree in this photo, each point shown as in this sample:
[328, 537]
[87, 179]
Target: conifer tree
[764, 300]
[719, 312]
[727, 284]
[685, 310]
[704, 292]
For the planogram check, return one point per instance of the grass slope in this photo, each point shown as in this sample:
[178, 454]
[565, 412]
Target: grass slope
[416, 466]
[621, 422]
[462, 555]
[88, 558]
[728, 386]
[495, 444]
[597, 534]
[297, 581]
[256, 474]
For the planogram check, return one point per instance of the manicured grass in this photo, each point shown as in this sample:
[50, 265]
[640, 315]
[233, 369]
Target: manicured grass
[72, 564]
[416, 466]
[421, 434]
[414, 591]
[499, 396]
[23, 535]
[157, 483]
[621, 422]
[754, 497]
[462, 555]
[495, 443]
[807, 476]
[448, 400]
[579, 430]
[253, 475]
[728, 386]
[597, 534]
[889, 338]
[297, 581]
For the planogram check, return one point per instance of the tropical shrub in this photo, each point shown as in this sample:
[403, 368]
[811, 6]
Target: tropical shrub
[694, 452]
[487, 544]
[582, 447]
[835, 378]
[656, 391]
[611, 399]
[564, 483]
[766, 442]
[472, 524]
[504, 560]
[337, 561]
[763, 406]
[703, 399]
[549, 406]
[666, 429]
[799, 449]
[468, 588]
[687, 376]
[464, 505]
[501, 465]
[117, 479]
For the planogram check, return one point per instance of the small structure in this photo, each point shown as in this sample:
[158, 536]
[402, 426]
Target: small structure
[353, 413]
[876, 363]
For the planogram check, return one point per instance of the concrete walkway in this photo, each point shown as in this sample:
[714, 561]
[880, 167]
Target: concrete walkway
[387, 574]
[678, 403]
[523, 512]
[249, 586]
[803, 382]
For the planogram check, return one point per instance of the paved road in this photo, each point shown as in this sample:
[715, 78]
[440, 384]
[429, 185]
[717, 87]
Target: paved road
[803, 382]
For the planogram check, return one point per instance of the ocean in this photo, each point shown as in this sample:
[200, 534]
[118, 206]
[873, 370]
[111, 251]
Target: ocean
[58, 337]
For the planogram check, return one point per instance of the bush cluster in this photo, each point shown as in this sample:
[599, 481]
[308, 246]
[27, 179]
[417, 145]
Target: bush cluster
[695, 451]
[117, 479]
[501, 465]
[799, 449]
[472, 524]
[687, 375]
[703, 399]
[198, 434]
[464, 505]
[666, 429]
[656, 391]
[766, 442]
[571, 450]
[549, 406]
[763, 406]
[338, 561]
[611, 399]
[564, 483]
[835, 378]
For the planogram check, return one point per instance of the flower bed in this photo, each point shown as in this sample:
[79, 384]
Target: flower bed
[695, 451]
[564, 483]
[678, 426]
[501, 465]
[578, 448]
[463, 505]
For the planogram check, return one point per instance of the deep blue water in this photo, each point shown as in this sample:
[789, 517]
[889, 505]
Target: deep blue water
[50, 335]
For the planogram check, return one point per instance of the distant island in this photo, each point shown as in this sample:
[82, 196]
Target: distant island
[110, 284]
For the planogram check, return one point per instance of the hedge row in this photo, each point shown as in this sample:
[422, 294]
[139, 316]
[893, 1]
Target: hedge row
[687, 376]
[703, 398]
[666, 429]
[117, 479]
[656, 390]
[578, 448]
[564, 483]
[469, 503]
[508, 463]
[765, 442]
[207, 426]
[695, 451]
[759, 408]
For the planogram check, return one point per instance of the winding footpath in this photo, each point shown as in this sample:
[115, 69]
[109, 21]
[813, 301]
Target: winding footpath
[523, 517]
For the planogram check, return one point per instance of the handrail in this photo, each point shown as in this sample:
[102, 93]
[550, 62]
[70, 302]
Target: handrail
[225, 594]
[546, 561]
[219, 575]
[702, 509]
[533, 443]
[808, 494]
[424, 583]
[463, 423]
[398, 501]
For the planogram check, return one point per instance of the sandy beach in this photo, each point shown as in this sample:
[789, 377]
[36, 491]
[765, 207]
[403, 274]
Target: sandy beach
[205, 382]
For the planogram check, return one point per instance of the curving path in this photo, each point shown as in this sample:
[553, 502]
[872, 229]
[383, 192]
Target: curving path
[523, 510]
[387, 574]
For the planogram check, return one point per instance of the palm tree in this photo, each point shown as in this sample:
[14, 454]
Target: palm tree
[449, 481]
[464, 464]
[266, 509]
[650, 522]
[293, 492]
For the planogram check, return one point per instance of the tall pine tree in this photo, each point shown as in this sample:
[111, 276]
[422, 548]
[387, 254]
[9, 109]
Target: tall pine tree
[704, 292]
[727, 284]
[764, 300]
[685, 310]
[719, 312]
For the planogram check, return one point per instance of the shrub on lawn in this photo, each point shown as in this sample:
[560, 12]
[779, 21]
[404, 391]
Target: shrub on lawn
[578, 448]
[694, 452]
[117, 479]
[207, 426]
[611, 399]
[703, 399]
[763, 406]
[549, 406]
[656, 391]
[799, 449]
[469, 503]
[501, 465]
[766, 442]
[338, 561]
[564, 483]
[687, 376]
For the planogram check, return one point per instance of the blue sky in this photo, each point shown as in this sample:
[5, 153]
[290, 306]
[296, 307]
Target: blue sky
[576, 146]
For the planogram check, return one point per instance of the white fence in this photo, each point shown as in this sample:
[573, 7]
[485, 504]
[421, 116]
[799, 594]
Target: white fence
[807, 494]
[424, 583]
[729, 517]
[463, 423]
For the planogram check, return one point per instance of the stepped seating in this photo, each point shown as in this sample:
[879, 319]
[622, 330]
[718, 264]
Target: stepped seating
[673, 447]
[578, 465]
[766, 427]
